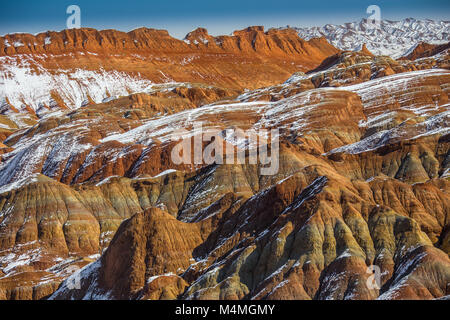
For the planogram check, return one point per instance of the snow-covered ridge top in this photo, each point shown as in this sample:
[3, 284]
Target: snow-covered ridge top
[393, 38]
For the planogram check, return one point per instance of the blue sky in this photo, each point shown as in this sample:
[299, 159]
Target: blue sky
[219, 17]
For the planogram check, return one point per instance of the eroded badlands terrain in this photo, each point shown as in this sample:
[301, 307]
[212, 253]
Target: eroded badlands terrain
[89, 192]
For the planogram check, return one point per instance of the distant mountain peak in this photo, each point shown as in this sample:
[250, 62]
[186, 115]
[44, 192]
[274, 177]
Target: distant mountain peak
[393, 38]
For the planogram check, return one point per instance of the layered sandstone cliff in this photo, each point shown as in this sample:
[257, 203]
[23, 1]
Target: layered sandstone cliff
[69, 69]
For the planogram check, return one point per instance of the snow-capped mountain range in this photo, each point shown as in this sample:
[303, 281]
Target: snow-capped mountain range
[393, 38]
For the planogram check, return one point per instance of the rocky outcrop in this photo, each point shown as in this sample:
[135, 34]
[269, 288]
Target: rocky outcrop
[425, 50]
[364, 50]
[356, 67]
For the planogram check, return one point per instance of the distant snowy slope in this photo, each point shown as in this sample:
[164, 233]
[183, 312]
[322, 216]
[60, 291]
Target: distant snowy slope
[393, 38]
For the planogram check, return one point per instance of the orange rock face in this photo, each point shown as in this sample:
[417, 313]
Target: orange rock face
[362, 180]
[78, 67]
[424, 50]
[250, 58]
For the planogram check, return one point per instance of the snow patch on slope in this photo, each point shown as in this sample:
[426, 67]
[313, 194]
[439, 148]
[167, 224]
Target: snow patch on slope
[23, 81]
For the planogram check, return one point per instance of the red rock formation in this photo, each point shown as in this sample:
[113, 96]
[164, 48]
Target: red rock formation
[424, 50]
[250, 58]
[365, 50]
